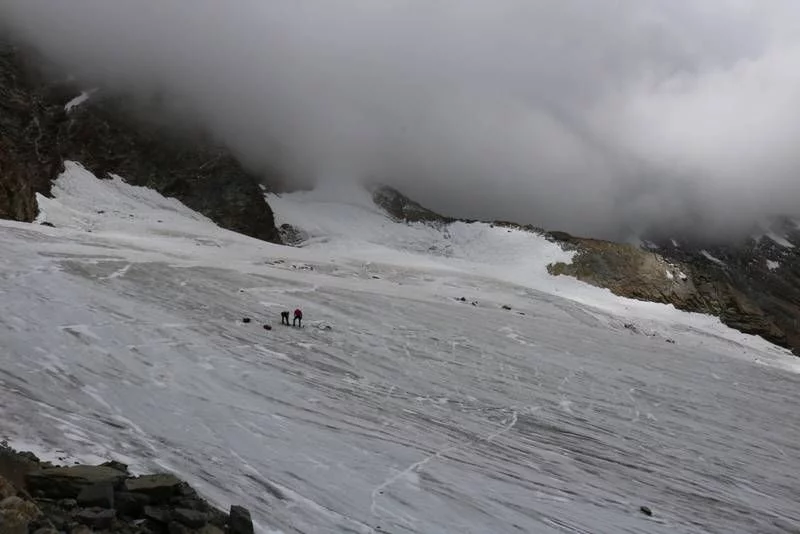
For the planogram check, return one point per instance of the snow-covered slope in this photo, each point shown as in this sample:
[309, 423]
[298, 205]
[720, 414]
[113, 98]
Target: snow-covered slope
[398, 408]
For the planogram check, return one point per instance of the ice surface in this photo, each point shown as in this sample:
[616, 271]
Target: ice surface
[398, 408]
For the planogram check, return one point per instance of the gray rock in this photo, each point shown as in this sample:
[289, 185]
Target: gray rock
[190, 518]
[159, 488]
[6, 489]
[97, 518]
[97, 496]
[67, 482]
[240, 521]
[46, 530]
[68, 504]
[646, 511]
[81, 529]
[16, 514]
[10, 502]
[130, 504]
[210, 529]
[177, 528]
[159, 515]
[119, 466]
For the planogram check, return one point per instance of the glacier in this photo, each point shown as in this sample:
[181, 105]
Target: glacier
[535, 404]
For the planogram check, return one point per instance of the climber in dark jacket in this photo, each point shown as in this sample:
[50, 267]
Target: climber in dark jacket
[285, 318]
[298, 318]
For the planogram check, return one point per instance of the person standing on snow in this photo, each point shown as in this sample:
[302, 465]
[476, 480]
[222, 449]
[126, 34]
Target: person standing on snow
[298, 318]
[285, 318]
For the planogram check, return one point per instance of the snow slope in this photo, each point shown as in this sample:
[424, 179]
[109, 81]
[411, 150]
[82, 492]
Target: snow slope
[397, 408]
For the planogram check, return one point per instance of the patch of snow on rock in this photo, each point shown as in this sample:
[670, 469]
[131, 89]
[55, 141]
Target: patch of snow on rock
[709, 257]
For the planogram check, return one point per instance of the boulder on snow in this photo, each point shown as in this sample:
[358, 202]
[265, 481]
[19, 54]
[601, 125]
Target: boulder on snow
[240, 521]
[67, 482]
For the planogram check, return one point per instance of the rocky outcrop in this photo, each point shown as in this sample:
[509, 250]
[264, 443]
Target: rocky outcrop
[753, 298]
[643, 274]
[82, 499]
[766, 271]
[109, 135]
[403, 209]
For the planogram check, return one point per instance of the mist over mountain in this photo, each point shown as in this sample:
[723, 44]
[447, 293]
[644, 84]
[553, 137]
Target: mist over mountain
[596, 119]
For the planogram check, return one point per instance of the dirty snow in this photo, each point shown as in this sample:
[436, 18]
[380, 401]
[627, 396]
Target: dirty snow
[773, 265]
[398, 408]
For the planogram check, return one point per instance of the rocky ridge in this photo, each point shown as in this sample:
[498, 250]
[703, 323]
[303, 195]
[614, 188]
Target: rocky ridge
[42, 498]
[741, 289]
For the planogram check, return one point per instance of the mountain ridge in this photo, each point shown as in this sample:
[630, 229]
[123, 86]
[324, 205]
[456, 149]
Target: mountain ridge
[752, 285]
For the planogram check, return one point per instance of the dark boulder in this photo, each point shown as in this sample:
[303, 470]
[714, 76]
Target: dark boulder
[158, 488]
[158, 514]
[97, 518]
[97, 496]
[240, 521]
[67, 482]
[178, 528]
[119, 466]
[190, 518]
[130, 504]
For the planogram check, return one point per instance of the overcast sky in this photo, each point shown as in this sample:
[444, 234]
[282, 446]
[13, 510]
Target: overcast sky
[591, 116]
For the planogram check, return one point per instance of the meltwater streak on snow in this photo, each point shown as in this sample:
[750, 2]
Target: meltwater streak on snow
[413, 412]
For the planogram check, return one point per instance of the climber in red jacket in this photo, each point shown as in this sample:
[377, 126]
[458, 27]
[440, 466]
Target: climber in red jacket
[298, 318]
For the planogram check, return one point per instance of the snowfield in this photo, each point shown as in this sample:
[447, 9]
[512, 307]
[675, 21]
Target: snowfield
[399, 408]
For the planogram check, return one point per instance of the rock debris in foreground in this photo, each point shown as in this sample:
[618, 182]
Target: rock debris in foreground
[43, 498]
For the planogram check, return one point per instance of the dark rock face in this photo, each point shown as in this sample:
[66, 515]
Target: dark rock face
[27, 161]
[108, 500]
[107, 135]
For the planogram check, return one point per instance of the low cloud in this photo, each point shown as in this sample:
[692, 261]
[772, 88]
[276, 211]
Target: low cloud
[596, 118]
